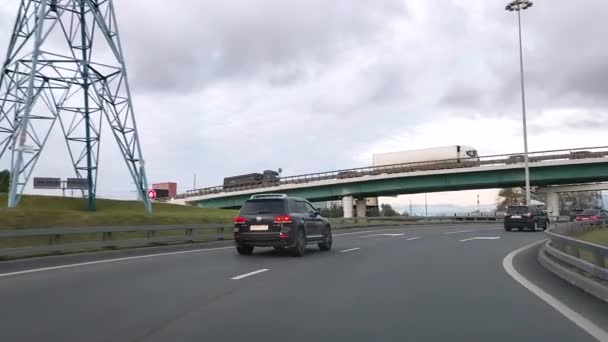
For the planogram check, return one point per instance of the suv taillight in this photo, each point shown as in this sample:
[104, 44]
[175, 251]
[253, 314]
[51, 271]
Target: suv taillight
[594, 218]
[282, 219]
[528, 215]
[240, 219]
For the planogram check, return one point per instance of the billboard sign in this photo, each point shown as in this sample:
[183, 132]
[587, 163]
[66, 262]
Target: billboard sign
[47, 183]
[77, 184]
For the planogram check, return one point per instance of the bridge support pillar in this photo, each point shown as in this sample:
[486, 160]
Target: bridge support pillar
[553, 204]
[347, 206]
[361, 206]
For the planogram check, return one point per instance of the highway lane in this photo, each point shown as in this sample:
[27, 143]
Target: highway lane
[391, 288]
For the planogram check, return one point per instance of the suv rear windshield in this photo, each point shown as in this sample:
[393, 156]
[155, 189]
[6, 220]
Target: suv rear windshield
[518, 210]
[256, 207]
[590, 212]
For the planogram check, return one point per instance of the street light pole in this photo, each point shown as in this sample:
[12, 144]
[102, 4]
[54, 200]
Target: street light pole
[520, 5]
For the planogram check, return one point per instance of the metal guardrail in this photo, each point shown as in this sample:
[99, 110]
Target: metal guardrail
[57, 236]
[500, 159]
[565, 247]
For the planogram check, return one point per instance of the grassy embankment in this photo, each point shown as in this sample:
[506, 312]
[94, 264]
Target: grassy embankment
[48, 212]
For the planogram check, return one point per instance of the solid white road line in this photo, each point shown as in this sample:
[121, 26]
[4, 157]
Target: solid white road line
[470, 230]
[249, 274]
[52, 268]
[413, 238]
[350, 250]
[578, 319]
[481, 238]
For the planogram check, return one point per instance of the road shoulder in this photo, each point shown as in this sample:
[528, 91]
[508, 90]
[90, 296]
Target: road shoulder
[526, 263]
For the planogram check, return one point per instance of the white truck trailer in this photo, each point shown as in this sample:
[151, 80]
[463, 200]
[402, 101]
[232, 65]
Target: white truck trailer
[435, 155]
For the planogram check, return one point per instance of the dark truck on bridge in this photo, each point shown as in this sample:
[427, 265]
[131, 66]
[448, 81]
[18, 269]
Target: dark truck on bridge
[268, 177]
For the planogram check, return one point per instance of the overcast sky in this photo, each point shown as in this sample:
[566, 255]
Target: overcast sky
[236, 86]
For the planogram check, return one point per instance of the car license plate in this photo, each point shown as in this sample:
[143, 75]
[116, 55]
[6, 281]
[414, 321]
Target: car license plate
[258, 228]
[516, 216]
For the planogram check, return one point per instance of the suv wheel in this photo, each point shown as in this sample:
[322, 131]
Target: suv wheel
[300, 247]
[327, 241]
[245, 250]
[508, 229]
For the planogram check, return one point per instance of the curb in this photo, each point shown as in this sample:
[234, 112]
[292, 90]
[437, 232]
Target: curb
[584, 283]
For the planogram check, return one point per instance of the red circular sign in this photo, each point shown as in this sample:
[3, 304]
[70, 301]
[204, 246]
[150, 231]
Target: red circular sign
[151, 194]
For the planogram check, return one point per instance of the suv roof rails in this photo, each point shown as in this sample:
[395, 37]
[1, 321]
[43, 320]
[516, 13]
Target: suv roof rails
[261, 196]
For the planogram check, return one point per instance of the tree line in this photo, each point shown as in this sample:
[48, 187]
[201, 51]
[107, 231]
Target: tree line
[336, 211]
[568, 201]
[5, 179]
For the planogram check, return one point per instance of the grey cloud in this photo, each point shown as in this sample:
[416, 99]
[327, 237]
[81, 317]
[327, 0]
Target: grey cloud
[327, 79]
[565, 65]
[461, 95]
[189, 44]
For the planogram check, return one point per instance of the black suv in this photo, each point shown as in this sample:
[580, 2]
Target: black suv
[521, 216]
[275, 220]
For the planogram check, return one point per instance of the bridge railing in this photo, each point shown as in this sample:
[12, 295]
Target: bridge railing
[499, 159]
[565, 248]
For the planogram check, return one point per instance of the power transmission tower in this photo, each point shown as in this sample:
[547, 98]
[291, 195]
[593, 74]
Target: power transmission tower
[65, 64]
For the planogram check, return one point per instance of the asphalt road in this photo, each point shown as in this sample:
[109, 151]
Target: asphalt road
[419, 284]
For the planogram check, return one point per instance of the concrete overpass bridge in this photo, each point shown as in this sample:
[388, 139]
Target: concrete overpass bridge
[547, 168]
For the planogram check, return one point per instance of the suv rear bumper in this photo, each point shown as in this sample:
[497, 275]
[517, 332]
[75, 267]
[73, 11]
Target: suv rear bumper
[519, 223]
[262, 240]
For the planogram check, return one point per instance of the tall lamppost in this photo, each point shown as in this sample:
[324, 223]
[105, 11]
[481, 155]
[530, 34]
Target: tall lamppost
[518, 6]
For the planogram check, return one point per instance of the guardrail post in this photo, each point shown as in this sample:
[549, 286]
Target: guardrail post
[598, 260]
[150, 234]
[575, 251]
[189, 235]
[55, 239]
[220, 230]
[106, 236]
[555, 244]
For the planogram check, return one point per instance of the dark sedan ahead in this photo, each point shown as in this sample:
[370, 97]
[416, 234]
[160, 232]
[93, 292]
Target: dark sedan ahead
[592, 215]
[521, 217]
[574, 213]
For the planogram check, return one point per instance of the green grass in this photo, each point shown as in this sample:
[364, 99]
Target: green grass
[47, 211]
[599, 236]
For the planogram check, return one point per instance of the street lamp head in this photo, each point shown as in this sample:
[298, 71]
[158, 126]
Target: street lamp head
[518, 5]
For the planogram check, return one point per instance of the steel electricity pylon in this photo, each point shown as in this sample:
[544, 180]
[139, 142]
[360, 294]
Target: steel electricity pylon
[65, 65]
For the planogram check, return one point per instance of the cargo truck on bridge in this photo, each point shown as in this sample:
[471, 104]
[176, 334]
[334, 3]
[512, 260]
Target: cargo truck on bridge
[268, 177]
[422, 158]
